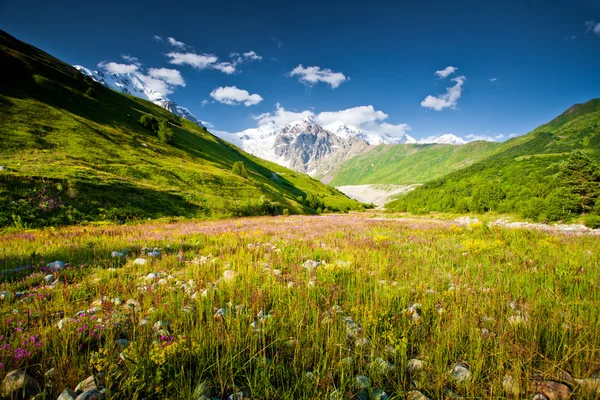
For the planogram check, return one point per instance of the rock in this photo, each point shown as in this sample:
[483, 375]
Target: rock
[290, 285]
[143, 321]
[414, 365]
[153, 253]
[416, 395]
[220, 314]
[152, 276]
[5, 168]
[460, 373]
[6, 295]
[228, 275]
[56, 265]
[161, 325]
[122, 342]
[62, 323]
[310, 264]
[67, 394]
[18, 384]
[132, 303]
[539, 396]
[381, 366]
[551, 389]
[86, 385]
[50, 373]
[92, 394]
[49, 278]
[139, 261]
[117, 254]
[510, 387]
[362, 382]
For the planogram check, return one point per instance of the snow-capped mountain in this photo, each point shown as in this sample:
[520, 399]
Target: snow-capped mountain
[443, 139]
[130, 83]
[344, 131]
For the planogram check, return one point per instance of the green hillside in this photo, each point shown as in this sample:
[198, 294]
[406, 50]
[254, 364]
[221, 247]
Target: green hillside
[404, 164]
[549, 174]
[73, 151]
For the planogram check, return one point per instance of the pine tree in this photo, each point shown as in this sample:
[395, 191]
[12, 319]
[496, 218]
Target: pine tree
[582, 177]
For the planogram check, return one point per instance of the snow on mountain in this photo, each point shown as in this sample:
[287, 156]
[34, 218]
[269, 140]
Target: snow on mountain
[130, 83]
[345, 131]
[443, 139]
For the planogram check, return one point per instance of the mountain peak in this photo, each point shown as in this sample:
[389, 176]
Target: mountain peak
[447, 138]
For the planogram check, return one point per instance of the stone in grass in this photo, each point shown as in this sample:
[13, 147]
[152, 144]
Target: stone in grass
[123, 343]
[362, 382]
[220, 314]
[6, 295]
[552, 390]
[202, 391]
[414, 365]
[139, 261]
[539, 396]
[510, 386]
[117, 254]
[93, 394]
[152, 276]
[56, 265]
[161, 325]
[49, 278]
[460, 373]
[381, 366]
[238, 396]
[17, 384]
[416, 395]
[67, 394]
[228, 275]
[88, 384]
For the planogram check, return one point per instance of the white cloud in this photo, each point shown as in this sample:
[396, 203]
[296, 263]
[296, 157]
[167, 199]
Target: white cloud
[157, 38]
[224, 67]
[281, 116]
[207, 124]
[592, 26]
[570, 37]
[499, 136]
[251, 55]
[444, 73]
[131, 59]
[117, 68]
[176, 43]
[352, 116]
[493, 79]
[447, 100]
[314, 74]
[363, 117]
[199, 61]
[233, 96]
[205, 102]
[513, 135]
[472, 138]
[170, 76]
[156, 84]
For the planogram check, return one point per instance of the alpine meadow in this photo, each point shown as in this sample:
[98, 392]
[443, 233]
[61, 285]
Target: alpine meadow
[265, 200]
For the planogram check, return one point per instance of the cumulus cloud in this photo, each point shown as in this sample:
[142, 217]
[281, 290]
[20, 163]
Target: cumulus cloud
[233, 96]
[117, 68]
[170, 76]
[198, 61]
[158, 38]
[363, 117]
[472, 138]
[493, 79]
[131, 59]
[593, 27]
[176, 43]
[447, 100]
[352, 116]
[225, 67]
[281, 116]
[444, 73]
[162, 80]
[314, 74]
[499, 136]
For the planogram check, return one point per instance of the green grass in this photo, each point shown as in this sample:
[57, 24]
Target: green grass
[471, 284]
[405, 164]
[73, 158]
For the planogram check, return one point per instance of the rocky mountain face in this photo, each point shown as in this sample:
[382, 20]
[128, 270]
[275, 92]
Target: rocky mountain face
[130, 83]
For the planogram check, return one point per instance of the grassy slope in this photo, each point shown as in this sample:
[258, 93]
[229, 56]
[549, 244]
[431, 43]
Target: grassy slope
[88, 154]
[521, 162]
[409, 163]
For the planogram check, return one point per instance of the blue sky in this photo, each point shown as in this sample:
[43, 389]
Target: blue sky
[542, 57]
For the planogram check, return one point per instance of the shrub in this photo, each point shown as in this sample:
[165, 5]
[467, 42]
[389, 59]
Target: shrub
[592, 221]
[286, 212]
[149, 122]
[165, 133]
[91, 92]
[240, 169]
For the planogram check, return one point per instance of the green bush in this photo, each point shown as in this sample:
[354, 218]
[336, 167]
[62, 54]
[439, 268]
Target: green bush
[592, 221]
[165, 133]
[91, 92]
[239, 168]
[149, 122]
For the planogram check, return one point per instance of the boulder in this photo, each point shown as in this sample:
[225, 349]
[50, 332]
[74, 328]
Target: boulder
[416, 395]
[67, 394]
[93, 394]
[86, 385]
[460, 372]
[139, 261]
[552, 390]
[56, 265]
[18, 384]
